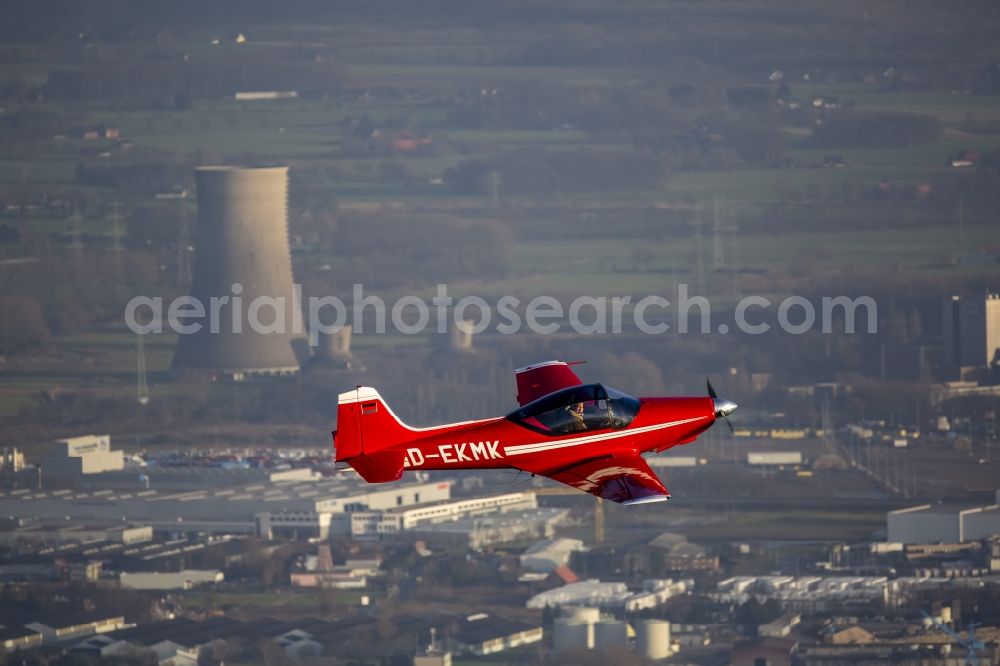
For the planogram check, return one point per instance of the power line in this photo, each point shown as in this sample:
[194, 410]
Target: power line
[116, 218]
[142, 388]
[718, 254]
[75, 232]
[183, 251]
[699, 252]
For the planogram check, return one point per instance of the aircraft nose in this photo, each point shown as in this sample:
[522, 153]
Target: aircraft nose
[724, 407]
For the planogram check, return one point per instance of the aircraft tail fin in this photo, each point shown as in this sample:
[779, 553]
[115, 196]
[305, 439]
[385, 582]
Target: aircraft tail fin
[366, 429]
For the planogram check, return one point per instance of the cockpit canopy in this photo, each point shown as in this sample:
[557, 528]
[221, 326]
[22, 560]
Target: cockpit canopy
[578, 409]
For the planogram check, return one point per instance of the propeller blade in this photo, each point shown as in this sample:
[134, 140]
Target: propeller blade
[723, 408]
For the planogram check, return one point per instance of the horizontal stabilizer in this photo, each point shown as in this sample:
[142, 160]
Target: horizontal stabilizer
[380, 467]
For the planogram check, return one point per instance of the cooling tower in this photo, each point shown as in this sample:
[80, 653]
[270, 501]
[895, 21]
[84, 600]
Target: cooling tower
[336, 344]
[333, 350]
[459, 336]
[242, 239]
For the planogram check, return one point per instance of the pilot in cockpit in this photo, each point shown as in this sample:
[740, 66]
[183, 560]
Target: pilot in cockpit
[577, 420]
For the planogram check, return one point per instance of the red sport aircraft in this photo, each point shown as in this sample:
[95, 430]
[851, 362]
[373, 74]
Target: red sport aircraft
[588, 436]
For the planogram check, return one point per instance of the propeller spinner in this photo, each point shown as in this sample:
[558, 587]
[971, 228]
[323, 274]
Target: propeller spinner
[723, 407]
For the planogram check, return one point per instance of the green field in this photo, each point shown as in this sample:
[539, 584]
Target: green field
[598, 267]
[951, 107]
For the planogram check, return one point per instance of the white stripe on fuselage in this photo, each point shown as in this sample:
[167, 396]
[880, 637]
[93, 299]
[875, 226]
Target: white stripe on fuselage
[537, 447]
[415, 457]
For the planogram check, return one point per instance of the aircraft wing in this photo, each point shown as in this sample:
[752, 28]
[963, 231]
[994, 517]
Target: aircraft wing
[626, 479]
[535, 381]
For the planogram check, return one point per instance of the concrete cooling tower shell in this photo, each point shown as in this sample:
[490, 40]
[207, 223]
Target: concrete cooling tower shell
[242, 239]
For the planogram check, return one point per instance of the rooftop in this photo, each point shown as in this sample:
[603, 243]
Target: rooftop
[13, 633]
[482, 629]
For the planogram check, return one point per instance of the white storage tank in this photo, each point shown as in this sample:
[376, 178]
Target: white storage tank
[652, 639]
[582, 614]
[610, 634]
[572, 635]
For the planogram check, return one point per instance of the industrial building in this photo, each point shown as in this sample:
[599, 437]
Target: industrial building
[375, 523]
[482, 634]
[807, 594]
[186, 477]
[774, 458]
[19, 638]
[780, 626]
[258, 95]
[352, 575]
[183, 641]
[295, 506]
[177, 580]
[23, 630]
[611, 596]
[942, 523]
[11, 460]
[108, 561]
[283, 509]
[657, 462]
[77, 456]
[585, 593]
[546, 556]
[971, 328]
[243, 265]
[477, 532]
[303, 509]
[26, 530]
